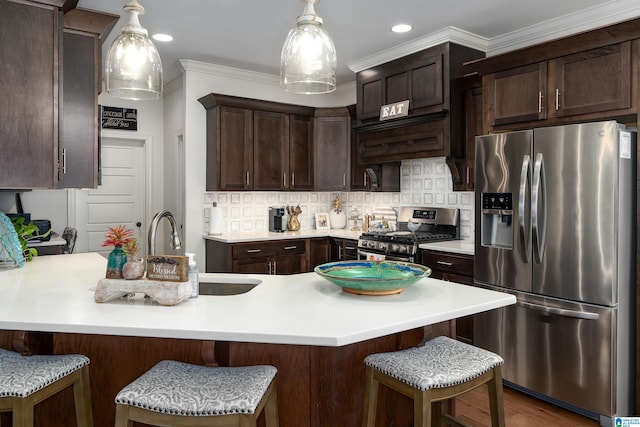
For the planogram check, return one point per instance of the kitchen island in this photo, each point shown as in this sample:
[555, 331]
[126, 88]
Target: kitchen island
[312, 331]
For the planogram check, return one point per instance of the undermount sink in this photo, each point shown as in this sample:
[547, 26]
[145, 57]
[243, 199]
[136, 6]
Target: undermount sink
[226, 285]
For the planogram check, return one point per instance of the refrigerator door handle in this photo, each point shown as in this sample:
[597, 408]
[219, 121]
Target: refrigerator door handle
[539, 200]
[525, 246]
[587, 315]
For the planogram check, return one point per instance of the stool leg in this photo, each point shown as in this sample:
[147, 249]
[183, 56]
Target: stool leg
[23, 412]
[422, 408]
[437, 412]
[82, 399]
[122, 416]
[247, 421]
[496, 398]
[370, 399]
[271, 407]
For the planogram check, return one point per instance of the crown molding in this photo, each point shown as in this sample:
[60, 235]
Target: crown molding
[188, 65]
[448, 34]
[588, 19]
[228, 72]
[602, 15]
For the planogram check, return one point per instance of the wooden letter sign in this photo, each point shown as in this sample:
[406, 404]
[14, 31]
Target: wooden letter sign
[392, 111]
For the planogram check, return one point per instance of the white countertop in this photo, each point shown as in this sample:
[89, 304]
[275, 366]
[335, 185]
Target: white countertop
[465, 247]
[255, 236]
[55, 293]
[456, 246]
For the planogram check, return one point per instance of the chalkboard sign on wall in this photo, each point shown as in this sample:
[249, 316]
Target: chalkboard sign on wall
[119, 118]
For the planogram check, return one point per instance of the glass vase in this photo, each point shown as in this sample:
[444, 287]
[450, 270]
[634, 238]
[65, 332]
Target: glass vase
[116, 260]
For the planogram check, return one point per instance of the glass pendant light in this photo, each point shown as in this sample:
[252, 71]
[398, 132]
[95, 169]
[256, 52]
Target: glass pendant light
[308, 59]
[133, 69]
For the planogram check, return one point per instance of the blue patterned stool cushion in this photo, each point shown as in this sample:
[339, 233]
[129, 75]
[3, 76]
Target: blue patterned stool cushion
[440, 362]
[21, 376]
[179, 388]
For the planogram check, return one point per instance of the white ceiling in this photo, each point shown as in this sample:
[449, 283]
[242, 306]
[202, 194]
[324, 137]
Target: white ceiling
[248, 34]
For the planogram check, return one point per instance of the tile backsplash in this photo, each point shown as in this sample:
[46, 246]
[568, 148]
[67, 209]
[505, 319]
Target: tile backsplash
[423, 182]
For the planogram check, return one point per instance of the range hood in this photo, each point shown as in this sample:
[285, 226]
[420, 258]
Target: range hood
[433, 84]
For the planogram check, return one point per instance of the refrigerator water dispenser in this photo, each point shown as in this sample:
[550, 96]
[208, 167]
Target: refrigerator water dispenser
[497, 220]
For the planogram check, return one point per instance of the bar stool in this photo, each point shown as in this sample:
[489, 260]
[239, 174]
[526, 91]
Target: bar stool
[28, 380]
[439, 370]
[181, 394]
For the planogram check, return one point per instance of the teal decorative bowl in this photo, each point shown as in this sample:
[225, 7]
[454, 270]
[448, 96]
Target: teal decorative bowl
[372, 277]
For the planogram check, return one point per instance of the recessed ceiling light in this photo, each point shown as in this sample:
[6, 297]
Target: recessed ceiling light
[162, 37]
[401, 28]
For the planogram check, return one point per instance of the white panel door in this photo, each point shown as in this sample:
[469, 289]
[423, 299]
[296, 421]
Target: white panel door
[120, 199]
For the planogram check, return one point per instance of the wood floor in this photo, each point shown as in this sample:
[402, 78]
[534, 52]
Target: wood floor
[520, 410]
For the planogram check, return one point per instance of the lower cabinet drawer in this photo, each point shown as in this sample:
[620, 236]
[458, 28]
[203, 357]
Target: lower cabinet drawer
[448, 263]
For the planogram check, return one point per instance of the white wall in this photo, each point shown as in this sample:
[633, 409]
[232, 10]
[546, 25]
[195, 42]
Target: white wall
[54, 204]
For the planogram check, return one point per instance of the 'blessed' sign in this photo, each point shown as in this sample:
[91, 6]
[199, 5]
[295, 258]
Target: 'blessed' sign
[168, 267]
[397, 109]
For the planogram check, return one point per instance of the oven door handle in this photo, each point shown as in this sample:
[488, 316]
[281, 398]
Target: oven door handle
[364, 255]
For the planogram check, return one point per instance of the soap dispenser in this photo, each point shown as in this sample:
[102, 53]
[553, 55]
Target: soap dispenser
[193, 276]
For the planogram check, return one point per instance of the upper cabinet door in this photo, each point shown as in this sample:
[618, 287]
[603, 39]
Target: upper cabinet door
[29, 61]
[79, 136]
[271, 150]
[516, 95]
[370, 95]
[592, 81]
[300, 153]
[426, 81]
[332, 152]
[233, 156]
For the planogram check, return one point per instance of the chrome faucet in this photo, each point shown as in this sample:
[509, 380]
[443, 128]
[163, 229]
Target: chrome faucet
[175, 237]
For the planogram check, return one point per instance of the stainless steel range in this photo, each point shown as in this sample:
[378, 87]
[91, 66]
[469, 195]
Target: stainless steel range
[415, 225]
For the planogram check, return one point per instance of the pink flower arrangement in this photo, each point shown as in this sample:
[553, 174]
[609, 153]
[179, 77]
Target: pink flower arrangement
[117, 236]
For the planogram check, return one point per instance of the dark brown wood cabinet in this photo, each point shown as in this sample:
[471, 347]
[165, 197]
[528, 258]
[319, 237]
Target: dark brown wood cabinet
[473, 127]
[332, 143]
[49, 62]
[374, 177]
[598, 80]
[588, 85]
[418, 77]
[257, 145]
[433, 81]
[84, 31]
[30, 56]
[270, 150]
[266, 257]
[301, 156]
[517, 95]
[456, 268]
[343, 249]
[230, 163]
[319, 251]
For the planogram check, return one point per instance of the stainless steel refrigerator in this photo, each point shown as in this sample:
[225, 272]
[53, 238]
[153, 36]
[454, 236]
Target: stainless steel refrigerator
[555, 226]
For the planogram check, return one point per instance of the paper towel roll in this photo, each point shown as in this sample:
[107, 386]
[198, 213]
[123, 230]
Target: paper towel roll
[215, 220]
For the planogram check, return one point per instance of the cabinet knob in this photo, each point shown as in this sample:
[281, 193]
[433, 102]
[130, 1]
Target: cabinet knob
[138, 224]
